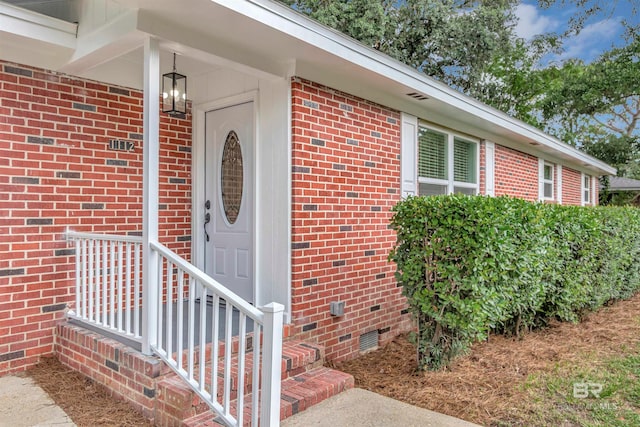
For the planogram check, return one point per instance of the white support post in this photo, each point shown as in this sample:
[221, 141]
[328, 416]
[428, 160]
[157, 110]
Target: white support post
[559, 184]
[490, 168]
[151, 150]
[271, 365]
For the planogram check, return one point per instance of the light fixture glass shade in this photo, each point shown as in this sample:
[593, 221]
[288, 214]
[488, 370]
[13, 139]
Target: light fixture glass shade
[174, 93]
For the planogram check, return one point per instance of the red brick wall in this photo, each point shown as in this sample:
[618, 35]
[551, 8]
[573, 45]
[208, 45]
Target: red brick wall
[56, 172]
[346, 178]
[516, 174]
[571, 186]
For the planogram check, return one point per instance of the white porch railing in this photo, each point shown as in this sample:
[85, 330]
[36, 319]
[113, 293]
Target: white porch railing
[108, 282]
[193, 314]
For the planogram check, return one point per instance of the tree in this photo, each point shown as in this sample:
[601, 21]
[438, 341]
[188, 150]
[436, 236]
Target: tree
[597, 106]
[453, 41]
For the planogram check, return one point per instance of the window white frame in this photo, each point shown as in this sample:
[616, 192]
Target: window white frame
[450, 183]
[545, 181]
[586, 195]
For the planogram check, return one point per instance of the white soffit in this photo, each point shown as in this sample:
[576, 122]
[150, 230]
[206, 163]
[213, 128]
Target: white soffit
[30, 38]
[25, 23]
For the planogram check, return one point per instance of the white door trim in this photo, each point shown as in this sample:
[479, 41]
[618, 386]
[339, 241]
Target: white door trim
[198, 174]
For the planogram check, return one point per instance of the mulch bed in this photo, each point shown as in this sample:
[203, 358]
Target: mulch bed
[485, 386]
[86, 402]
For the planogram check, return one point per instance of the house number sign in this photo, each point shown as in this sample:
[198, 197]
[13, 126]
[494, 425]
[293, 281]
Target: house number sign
[121, 145]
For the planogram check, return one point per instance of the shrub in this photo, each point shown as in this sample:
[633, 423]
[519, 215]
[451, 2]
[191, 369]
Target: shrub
[473, 265]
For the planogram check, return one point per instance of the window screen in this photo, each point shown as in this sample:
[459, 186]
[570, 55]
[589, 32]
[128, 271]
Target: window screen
[432, 154]
[425, 189]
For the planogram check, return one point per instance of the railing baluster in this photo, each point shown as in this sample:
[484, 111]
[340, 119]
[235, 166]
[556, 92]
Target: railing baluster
[127, 306]
[192, 285]
[215, 345]
[78, 257]
[97, 280]
[203, 338]
[96, 294]
[105, 283]
[112, 287]
[241, 365]
[180, 322]
[136, 291]
[169, 318]
[119, 301]
[84, 279]
[160, 285]
[91, 279]
[228, 329]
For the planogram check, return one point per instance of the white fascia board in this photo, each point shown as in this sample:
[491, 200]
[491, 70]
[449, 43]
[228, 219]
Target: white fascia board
[109, 41]
[36, 26]
[299, 26]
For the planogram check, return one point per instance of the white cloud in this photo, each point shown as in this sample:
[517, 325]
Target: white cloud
[531, 23]
[592, 40]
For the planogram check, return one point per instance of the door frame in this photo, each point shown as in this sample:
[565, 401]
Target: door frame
[198, 176]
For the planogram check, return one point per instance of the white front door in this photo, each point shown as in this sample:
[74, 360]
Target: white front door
[229, 149]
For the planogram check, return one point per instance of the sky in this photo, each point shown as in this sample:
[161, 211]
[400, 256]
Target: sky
[599, 34]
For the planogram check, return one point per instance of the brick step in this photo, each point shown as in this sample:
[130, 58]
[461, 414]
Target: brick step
[176, 401]
[299, 392]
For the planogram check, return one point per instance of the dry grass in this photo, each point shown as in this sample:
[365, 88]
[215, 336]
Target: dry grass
[488, 386]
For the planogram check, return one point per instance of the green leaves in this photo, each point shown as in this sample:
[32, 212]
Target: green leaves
[473, 265]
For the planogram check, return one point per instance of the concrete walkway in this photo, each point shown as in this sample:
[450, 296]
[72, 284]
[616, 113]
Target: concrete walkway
[361, 408]
[25, 404]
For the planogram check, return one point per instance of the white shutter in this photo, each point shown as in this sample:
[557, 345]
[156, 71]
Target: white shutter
[594, 190]
[540, 179]
[408, 155]
[490, 168]
[559, 184]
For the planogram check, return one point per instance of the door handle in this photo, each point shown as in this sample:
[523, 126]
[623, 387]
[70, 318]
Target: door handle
[207, 218]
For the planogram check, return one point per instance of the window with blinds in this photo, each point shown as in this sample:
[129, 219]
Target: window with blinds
[586, 189]
[446, 163]
[464, 161]
[547, 181]
[432, 154]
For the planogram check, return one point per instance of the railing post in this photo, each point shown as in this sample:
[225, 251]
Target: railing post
[150, 171]
[271, 365]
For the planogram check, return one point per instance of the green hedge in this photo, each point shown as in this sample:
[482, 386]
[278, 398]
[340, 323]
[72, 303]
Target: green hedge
[474, 265]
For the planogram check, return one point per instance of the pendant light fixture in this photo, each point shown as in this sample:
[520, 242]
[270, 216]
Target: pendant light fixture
[174, 91]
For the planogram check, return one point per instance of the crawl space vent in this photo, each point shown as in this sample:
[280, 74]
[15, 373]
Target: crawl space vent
[369, 340]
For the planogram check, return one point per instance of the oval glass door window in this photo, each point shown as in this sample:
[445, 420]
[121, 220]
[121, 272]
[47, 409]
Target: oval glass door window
[231, 177]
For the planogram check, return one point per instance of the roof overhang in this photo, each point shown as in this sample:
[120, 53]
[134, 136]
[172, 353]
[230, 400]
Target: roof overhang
[35, 39]
[268, 39]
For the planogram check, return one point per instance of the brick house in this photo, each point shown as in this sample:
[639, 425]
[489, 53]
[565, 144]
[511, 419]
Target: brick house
[277, 182]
